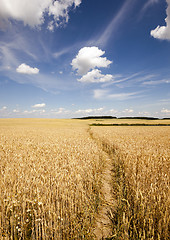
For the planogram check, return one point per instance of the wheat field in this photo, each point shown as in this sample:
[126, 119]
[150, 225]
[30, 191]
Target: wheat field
[49, 181]
[52, 180]
[141, 163]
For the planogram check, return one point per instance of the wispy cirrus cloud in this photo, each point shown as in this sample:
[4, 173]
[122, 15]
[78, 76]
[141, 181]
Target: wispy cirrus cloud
[106, 94]
[139, 79]
[16, 46]
[148, 4]
[157, 82]
[115, 23]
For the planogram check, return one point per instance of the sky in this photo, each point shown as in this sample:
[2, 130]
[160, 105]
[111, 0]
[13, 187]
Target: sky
[77, 58]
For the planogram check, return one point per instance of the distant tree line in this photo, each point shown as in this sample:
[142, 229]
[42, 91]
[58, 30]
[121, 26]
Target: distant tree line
[111, 117]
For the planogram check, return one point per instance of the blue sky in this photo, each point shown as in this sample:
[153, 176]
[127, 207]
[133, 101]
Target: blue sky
[75, 58]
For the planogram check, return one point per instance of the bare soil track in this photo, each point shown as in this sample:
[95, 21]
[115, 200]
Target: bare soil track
[103, 229]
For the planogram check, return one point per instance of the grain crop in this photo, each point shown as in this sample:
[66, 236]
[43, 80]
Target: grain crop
[140, 180]
[50, 177]
[65, 179]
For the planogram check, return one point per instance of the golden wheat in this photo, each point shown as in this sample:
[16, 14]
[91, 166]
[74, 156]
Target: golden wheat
[53, 173]
[50, 179]
[140, 180]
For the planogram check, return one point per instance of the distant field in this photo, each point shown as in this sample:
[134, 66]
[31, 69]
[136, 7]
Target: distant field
[53, 179]
[130, 121]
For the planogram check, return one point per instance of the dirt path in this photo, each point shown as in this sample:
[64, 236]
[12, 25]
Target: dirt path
[103, 224]
[103, 228]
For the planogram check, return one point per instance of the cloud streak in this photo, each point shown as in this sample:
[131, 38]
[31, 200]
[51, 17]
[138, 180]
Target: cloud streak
[148, 4]
[106, 94]
[114, 25]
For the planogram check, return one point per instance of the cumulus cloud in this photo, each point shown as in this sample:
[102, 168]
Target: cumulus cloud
[26, 69]
[163, 32]
[39, 105]
[95, 76]
[89, 58]
[32, 12]
[87, 62]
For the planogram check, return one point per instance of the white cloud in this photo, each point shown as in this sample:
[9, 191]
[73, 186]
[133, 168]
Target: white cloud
[163, 32]
[15, 111]
[113, 111]
[95, 76]
[27, 112]
[60, 110]
[105, 94]
[26, 69]
[3, 109]
[36, 112]
[39, 105]
[89, 58]
[90, 111]
[128, 111]
[165, 111]
[144, 113]
[32, 12]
